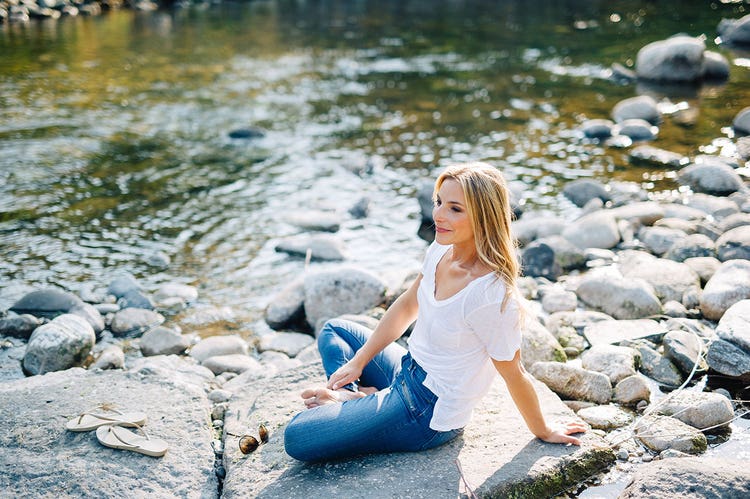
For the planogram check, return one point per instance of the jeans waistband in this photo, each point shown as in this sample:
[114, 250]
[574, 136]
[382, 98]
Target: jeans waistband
[415, 376]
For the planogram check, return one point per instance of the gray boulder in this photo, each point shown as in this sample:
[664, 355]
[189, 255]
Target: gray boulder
[163, 341]
[734, 221]
[605, 417]
[559, 301]
[573, 382]
[734, 325]
[643, 212]
[660, 433]
[290, 344]
[620, 297]
[716, 178]
[19, 326]
[686, 350]
[640, 107]
[134, 321]
[704, 266]
[219, 345]
[596, 230]
[112, 357]
[581, 191]
[717, 207]
[123, 284]
[538, 260]
[734, 244]
[63, 343]
[315, 220]
[176, 290]
[324, 247]
[730, 284]
[650, 155]
[637, 129]
[729, 360]
[676, 59]
[424, 198]
[345, 290]
[669, 279]
[735, 31]
[613, 331]
[567, 255]
[741, 122]
[658, 239]
[693, 245]
[616, 362]
[47, 303]
[539, 345]
[597, 128]
[91, 315]
[715, 66]
[631, 390]
[701, 410]
[286, 308]
[533, 226]
[232, 363]
[657, 367]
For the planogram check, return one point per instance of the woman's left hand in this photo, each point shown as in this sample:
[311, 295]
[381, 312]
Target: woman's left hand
[561, 434]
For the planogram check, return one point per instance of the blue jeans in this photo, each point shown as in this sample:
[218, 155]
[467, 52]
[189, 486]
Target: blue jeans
[396, 418]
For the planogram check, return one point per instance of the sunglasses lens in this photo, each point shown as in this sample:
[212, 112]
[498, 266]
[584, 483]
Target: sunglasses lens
[248, 444]
[263, 432]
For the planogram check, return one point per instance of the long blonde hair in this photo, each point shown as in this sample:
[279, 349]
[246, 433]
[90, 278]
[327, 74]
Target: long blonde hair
[488, 207]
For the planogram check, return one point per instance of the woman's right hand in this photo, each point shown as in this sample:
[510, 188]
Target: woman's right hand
[348, 373]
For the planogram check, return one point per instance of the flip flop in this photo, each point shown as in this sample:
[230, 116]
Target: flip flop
[117, 437]
[91, 420]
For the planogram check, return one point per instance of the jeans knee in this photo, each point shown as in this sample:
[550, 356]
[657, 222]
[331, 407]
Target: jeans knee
[295, 443]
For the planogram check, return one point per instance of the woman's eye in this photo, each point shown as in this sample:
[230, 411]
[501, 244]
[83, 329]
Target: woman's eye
[456, 209]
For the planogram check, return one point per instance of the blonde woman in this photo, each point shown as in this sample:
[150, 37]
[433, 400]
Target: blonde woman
[383, 398]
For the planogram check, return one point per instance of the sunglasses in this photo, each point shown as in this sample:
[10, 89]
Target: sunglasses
[249, 443]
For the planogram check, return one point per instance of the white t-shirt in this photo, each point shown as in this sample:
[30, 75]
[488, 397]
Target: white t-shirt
[455, 339]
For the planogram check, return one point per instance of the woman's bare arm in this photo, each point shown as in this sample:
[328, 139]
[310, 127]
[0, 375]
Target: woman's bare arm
[524, 396]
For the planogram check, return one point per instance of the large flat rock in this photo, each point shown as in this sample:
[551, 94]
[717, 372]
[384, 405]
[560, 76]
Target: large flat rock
[498, 455]
[40, 458]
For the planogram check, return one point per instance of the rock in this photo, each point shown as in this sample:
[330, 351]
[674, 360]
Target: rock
[233, 363]
[217, 396]
[176, 290]
[715, 66]
[677, 59]
[538, 344]
[735, 31]
[581, 191]
[713, 178]
[620, 297]
[730, 284]
[567, 255]
[596, 230]
[340, 291]
[616, 362]
[63, 343]
[690, 477]
[694, 245]
[287, 307]
[278, 361]
[424, 198]
[685, 350]
[734, 244]
[610, 331]
[360, 209]
[597, 128]
[733, 221]
[653, 156]
[210, 317]
[669, 279]
[111, 357]
[134, 321]
[315, 220]
[717, 207]
[538, 260]
[701, 410]
[640, 107]
[288, 343]
[741, 122]
[19, 326]
[605, 417]
[163, 341]
[637, 129]
[659, 433]
[247, 133]
[643, 213]
[658, 367]
[559, 301]
[219, 345]
[323, 247]
[734, 325]
[135, 299]
[631, 390]
[573, 382]
[658, 239]
[674, 308]
[534, 226]
[577, 320]
[704, 266]
[91, 315]
[48, 303]
[728, 359]
[123, 284]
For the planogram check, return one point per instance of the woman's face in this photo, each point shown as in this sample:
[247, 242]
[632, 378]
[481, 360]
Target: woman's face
[452, 224]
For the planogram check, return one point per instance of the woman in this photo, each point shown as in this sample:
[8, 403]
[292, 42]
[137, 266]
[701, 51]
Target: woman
[381, 398]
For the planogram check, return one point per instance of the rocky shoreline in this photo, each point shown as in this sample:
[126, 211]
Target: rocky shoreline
[642, 328]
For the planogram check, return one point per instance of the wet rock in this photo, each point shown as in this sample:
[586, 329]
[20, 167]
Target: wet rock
[539, 345]
[345, 290]
[205, 316]
[63, 343]
[315, 220]
[360, 209]
[19, 326]
[693, 245]
[532, 226]
[616, 362]
[321, 246]
[559, 301]
[715, 66]
[596, 230]
[288, 343]
[637, 129]
[643, 213]
[729, 360]
[112, 357]
[690, 477]
[730, 284]
[741, 122]
[704, 266]
[631, 390]
[640, 107]
[135, 299]
[614, 331]
[701, 410]
[233, 363]
[47, 303]
[582, 191]
[122, 284]
[620, 297]
[538, 260]
[717, 207]
[669, 279]
[573, 382]
[716, 178]
[605, 417]
[287, 307]
[176, 290]
[735, 31]
[650, 155]
[685, 350]
[219, 345]
[597, 128]
[658, 240]
[677, 59]
[158, 259]
[163, 341]
[134, 321]
[658, 367]
[659, 433]
[247, 133]
[734, 244]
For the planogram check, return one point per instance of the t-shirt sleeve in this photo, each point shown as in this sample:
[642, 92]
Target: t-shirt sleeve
[498, 329]
[429, 263]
